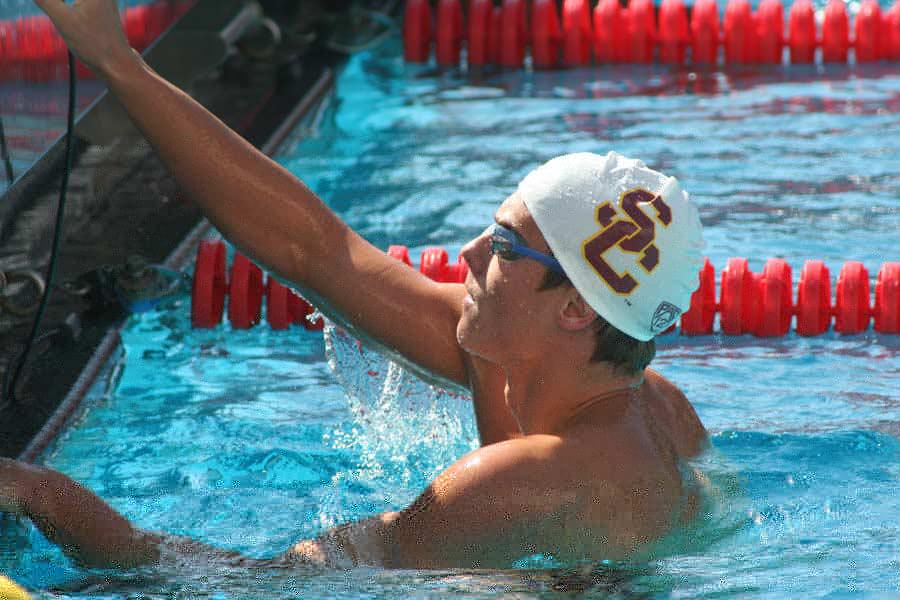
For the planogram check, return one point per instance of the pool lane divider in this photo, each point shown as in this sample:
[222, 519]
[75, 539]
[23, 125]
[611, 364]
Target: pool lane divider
[639, 34]
[32, 50]
[760, 304]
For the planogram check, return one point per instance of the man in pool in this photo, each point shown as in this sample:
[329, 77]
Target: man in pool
[582, 444]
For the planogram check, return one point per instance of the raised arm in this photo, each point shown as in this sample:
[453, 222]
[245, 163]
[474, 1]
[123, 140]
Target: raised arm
[262, 208]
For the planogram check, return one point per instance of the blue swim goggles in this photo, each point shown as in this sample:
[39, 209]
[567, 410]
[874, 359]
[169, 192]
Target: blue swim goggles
[509, 245]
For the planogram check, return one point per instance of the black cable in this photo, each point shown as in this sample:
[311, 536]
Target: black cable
[10, 386]
[4, 154]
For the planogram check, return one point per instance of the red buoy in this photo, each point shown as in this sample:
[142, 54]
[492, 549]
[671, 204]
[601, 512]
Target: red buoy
[852, 298]
[302, 311]
[457, 273]
[512, 33]
[245, 293]
[868, 31]
[135, 26]
[892, 32]
[610, 34]
[641, 28]
[479, 31]
[449, 33]
[8, 49]
[705, 32]
[401, 253]
[698, 320]
[775, 289]
[673, 31]
[278, 313]
[738, 299]
[417, 31]
[160, 15]
[802, 32]
[770, 31]
[577, 35]
[209, 286]
[546, 34]
[813, 299]
[434, 264]
[887, 299]
[495, 36]
[835, 32]
[740, 32]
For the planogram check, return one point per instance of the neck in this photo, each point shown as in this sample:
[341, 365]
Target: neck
[548, 398]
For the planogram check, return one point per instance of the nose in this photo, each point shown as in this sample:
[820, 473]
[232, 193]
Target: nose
[476, 254]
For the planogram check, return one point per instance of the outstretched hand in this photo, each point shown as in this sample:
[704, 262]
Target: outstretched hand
[92, 29]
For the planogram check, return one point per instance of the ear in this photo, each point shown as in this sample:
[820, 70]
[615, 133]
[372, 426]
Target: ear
[575, 314]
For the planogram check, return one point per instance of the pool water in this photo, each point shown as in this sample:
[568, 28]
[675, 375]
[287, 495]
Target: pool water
[250, 440]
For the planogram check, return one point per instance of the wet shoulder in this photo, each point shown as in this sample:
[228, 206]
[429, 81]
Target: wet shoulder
[675, 413]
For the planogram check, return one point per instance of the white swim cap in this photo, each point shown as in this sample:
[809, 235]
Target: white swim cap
[628, 237]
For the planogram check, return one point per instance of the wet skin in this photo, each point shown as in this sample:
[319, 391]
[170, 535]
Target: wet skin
[578, 460]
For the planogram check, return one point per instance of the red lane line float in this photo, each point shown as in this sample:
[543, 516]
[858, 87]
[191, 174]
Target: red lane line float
[775, 290]
[737, 281]
[851, 307]
[835, 32]
[770, 31]
[546, 34]
[449, 34]
[868, 29]
[802, 32]
[32, 50]
[641, 26]
[698, 320]
[740, 32]
[401, 253]
[479, 31]
[209, 286]
[495, 37]
[301, 311]
[577, 34]
[674, 35]
[610, 32]
[749, 303]
[417, 31]
[813, 299]
[278, 313]
[892, 32]
[512, 33]
[245, 293]
[887, 299]
[435, 266]
[705, 32]
[434, 263]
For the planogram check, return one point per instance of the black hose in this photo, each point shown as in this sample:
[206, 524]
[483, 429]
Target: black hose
[10, 384]
[4, 155]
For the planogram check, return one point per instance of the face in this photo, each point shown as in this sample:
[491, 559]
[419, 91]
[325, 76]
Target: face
[504, 317]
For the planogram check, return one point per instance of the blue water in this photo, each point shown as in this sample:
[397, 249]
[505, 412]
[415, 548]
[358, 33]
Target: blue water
[250, 440]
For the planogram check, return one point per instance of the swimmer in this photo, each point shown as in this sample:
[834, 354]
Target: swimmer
[582, 444]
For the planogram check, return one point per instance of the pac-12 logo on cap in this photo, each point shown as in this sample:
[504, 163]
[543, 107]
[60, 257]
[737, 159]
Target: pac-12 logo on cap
[634, 233]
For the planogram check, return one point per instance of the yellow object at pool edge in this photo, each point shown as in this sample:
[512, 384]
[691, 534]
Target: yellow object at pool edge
[10, 591]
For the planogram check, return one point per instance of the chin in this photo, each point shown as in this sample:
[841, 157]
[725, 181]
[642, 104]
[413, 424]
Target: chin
[467, 338]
